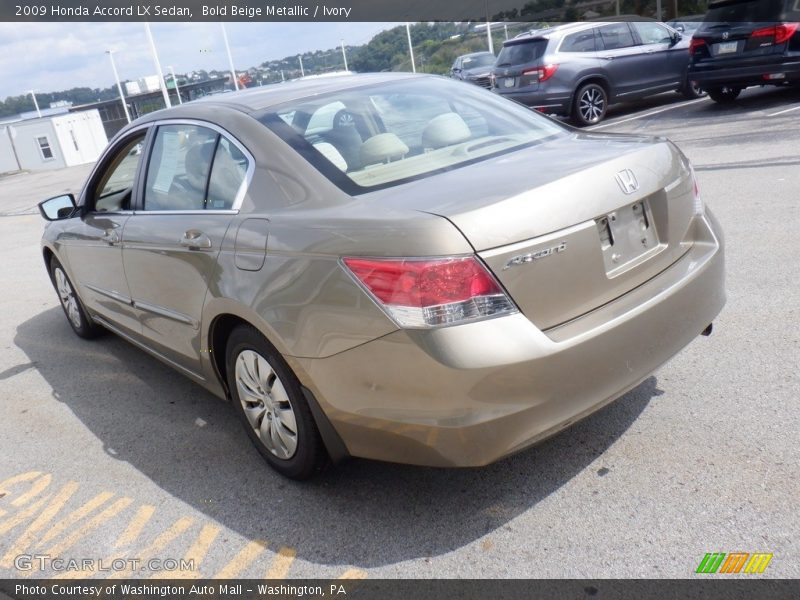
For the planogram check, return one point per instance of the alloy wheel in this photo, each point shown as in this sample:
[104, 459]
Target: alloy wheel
[67, 297]
[592, 105]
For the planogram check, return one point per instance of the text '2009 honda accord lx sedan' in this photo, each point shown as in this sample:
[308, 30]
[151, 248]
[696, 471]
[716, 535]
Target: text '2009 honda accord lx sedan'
[395, 267]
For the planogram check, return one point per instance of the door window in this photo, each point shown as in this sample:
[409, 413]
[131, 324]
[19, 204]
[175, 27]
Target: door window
[583, 41]
[616, 35]
[114, 189]
[652, 33]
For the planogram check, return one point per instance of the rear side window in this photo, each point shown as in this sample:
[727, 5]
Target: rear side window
[583, 41]
[227, 175]
[521, 53]
[616, 35]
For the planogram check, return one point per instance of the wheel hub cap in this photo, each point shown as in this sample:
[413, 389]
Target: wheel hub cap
[67, 297]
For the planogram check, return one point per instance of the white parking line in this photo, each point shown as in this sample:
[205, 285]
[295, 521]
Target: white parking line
[648, 114]
[780, 112]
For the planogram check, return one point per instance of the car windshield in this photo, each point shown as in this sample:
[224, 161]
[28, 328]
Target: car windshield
[521, 53]
[377, 136]
[741, 11]
[482, 60]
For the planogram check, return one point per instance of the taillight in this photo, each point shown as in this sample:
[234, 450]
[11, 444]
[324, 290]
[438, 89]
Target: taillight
[431, 292]
[695, 45]
[542, 73]
[780, 33]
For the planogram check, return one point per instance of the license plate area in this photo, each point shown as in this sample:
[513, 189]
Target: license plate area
[726, 48]
[509, 82]
[628, 237]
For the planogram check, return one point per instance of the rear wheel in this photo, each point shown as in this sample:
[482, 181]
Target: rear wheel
[725, 94]
[270, 403]
[590, 104]
[691, 90]
[77, 317]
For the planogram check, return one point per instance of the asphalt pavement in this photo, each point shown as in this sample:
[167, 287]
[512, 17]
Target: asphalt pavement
[107, 453]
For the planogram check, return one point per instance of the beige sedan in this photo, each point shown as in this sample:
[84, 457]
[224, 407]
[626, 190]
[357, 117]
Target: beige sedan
[388, 266]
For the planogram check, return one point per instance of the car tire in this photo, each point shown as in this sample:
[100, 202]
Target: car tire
[725, 94]
[77, 316]
[269, 401]
[589, 105]
[691, 91]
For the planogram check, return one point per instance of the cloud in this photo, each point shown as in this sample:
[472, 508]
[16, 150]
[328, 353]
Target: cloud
[55, 56]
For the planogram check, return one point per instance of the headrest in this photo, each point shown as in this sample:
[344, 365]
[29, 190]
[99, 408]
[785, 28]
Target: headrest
[382, 147]
[330, 152]
[445, 130]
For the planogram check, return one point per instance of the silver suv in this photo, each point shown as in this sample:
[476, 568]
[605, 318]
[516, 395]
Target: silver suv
[577, 69]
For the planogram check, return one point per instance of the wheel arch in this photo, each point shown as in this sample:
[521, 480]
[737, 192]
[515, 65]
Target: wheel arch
[597, 78]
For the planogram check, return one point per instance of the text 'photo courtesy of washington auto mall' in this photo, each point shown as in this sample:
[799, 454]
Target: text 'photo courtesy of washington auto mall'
[400, 299]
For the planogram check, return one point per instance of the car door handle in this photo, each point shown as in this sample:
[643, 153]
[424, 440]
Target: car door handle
[196, 240]
[607, 57]
[110, 237]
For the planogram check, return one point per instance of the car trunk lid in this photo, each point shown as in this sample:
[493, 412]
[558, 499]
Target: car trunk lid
[606, 214]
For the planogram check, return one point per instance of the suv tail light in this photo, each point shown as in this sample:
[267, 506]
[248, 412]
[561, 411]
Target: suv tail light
[424, 293]
[696, 44]
[780, 33]
[542, 73]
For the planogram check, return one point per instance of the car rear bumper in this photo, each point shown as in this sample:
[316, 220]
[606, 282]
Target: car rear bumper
[471, 394]
[547, 102]
[708, 74]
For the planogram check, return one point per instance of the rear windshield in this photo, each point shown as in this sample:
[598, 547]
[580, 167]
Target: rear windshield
[521, 53]
[483, 60]
[741, 11]
[378, 136]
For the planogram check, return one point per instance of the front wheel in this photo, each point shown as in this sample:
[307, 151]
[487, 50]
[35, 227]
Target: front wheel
[78, 318]
[590, 104]
[725, 94]
[270, 403]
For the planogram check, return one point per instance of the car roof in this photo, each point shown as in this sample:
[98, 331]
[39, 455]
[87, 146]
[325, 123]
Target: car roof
[476, 54]
[548, 31]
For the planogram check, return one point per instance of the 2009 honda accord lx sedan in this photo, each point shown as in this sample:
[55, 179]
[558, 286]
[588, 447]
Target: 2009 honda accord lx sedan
[388, 266]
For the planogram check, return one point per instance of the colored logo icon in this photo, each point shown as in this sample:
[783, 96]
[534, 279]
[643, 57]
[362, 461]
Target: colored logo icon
[734, 562]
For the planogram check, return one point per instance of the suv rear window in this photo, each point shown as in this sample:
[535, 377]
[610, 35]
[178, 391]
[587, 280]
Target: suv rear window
[741, 11]
[521, 53]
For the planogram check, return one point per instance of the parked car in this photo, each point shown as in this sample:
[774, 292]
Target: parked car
[474, 68]
[743, 43]
[578, 69]
[687, 25]
[391, 266]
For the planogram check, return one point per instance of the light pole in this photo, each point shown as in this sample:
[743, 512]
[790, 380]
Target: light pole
[230, 58]
[410, 48]
[489, 29]
[302, 70]
[344, 56]
[157, 65]
[119, 85]
[36, 104]
[175, 83]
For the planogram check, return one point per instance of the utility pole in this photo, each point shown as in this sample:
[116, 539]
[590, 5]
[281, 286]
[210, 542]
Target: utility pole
[175, 83]
[230, 58]
[344, 56]
[157, 65]
[410, 48]
[36, 104]
[119, 85]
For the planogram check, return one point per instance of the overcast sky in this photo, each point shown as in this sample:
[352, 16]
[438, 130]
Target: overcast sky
[50, 57]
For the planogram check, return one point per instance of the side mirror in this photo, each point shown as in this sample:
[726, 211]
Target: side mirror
[60, 207]
[677, 37]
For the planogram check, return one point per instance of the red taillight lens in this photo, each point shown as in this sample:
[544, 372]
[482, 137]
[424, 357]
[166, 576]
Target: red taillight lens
[426, 293]
[780, 33]
[542, 73]
[695, 44]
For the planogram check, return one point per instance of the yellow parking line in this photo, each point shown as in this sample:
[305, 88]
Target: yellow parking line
[109, 513]
[280, 566]
[176, 529]
[134, 528]
[242, 560]
[197, 552]
[27, 536]
[20, 516]
[37, 488]
[353, 574]
[4, 485]
[74, 517]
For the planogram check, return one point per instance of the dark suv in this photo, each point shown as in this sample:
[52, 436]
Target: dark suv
[577, 69]
[744, 43]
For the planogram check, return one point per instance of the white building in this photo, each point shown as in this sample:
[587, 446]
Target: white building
[52, 142]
